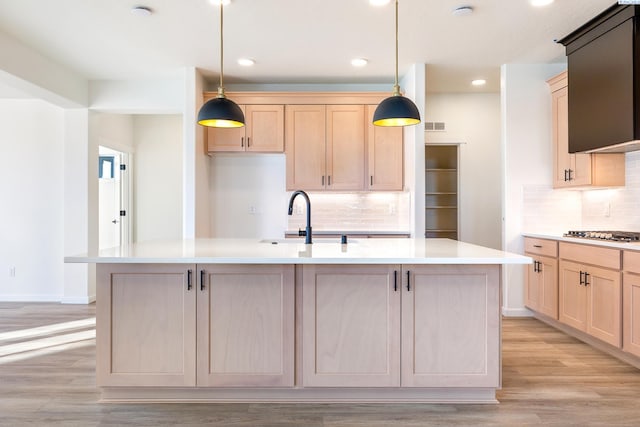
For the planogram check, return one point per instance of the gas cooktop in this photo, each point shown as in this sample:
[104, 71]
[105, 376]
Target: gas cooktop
[616, 236]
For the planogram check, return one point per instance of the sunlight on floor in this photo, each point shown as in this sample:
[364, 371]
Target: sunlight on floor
[20, 345]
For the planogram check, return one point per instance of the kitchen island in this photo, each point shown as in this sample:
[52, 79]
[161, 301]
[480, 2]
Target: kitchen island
[392, 320]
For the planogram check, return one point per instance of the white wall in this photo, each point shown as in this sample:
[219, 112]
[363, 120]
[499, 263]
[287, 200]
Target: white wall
[474, 120]
[32, 187]
[526, 141]
[158, 176]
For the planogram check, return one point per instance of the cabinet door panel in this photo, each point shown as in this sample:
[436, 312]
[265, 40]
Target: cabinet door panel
[631, 314]
[345, 147]
[246, 326]
[563, 161]
[305, 147]
[351, 326]
[385, 155]
[548, 299]
[145, 326]
[451, 326]
[265, 128]
[573, 296]
[604, 306]
[532, 287]
[226, 139]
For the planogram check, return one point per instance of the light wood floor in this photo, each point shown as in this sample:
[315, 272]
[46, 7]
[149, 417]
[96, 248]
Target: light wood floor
[549, 379]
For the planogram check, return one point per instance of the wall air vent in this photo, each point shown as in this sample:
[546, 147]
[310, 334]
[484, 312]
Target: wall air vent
[434, 126]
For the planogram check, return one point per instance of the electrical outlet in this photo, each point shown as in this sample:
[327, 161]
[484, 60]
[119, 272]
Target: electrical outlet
[12, 272]
[252, 210]
[392, 209]
[607, 209]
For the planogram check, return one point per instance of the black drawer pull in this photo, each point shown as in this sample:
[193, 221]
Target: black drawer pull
[189, 285]
[408, 281]
[395, 280]
[537, 246]
[202, 280]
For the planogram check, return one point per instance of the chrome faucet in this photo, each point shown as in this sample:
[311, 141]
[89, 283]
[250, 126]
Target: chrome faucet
[307, 231]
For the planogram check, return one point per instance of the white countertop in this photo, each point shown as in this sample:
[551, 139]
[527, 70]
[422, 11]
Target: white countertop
[294, 251]
[633, 246]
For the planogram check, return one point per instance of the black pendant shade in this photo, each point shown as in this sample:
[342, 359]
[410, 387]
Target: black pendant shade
[221, 113]
[396, 110]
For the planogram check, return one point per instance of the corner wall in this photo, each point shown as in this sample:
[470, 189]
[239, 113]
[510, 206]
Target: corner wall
[526, 147]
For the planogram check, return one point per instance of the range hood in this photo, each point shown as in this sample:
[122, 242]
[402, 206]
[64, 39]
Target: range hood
[604, 82]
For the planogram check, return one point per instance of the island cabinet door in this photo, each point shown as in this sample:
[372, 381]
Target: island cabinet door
[451, 326]
[351, 326]
[146, 325]
[245, 325]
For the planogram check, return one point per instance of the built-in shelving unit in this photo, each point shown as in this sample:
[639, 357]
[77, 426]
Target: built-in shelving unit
[441, 191]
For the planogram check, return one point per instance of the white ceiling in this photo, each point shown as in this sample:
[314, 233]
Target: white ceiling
[296, 41]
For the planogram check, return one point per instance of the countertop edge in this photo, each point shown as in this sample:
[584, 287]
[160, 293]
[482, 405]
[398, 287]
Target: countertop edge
[593, 242]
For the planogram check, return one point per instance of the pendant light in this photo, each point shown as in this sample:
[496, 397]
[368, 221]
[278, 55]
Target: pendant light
[221, 112]
[396, 110]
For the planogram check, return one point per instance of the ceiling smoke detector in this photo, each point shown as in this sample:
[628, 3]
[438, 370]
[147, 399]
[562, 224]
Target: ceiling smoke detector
[462, 11]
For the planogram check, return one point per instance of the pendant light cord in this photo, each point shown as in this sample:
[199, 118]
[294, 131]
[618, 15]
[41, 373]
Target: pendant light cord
[396, 86]
[221, 87]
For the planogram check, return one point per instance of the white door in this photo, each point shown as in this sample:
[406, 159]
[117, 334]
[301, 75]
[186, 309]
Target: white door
[113, 197]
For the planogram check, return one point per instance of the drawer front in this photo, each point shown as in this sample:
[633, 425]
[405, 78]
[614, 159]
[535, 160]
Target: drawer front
[586, 254]
[541, 247]
[631, 261]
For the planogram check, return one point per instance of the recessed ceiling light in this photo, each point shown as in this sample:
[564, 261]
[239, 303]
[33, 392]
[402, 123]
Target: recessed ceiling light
[217, 2]
[378, 2]
[540, 3]
[141, 11]
[479, 82]
[246, 62]
[462, 11]
[359, 62]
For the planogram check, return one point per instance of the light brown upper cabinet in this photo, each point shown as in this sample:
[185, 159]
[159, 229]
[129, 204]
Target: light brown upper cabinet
[578, 169]
[263, 132]
[385, 155]
[325, 147]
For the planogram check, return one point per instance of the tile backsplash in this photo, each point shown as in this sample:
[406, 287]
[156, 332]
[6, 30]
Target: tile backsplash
[556, 211]
[365, 211]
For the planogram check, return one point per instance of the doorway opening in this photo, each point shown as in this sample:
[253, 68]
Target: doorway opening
[114, 198]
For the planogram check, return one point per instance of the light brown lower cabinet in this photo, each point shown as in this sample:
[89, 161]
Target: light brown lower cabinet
[393, 325]
[148, 325]
[590, 300]
[631, 314]
[233, 326]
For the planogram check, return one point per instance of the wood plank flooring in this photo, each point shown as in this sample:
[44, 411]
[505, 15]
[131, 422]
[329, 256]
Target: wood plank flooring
[549, 379]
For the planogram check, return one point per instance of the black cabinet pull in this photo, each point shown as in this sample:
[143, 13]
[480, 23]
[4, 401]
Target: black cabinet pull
[372, 180]
[323, 180]
[535, 267]
[189, 274]
[565, 176]
[408, 281]
[539, 267]
[395, 280]
[202, 280]
[242, 143]
[581, 280]
[570, 171]
[329, 180]
[586, 279]
[537, 246]
[248, 141]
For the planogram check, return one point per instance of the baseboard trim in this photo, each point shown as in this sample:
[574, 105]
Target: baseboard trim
[516, 312]
[78, 300]
[30, 298]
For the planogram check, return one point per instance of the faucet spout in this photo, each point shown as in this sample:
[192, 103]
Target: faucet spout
[307, 232]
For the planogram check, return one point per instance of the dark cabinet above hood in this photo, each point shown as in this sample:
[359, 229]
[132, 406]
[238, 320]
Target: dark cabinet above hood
[604, 82]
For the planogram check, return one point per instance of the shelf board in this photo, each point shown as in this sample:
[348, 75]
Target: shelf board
[440, 193]
[441, 207]
[440, 230]
[440, 170]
